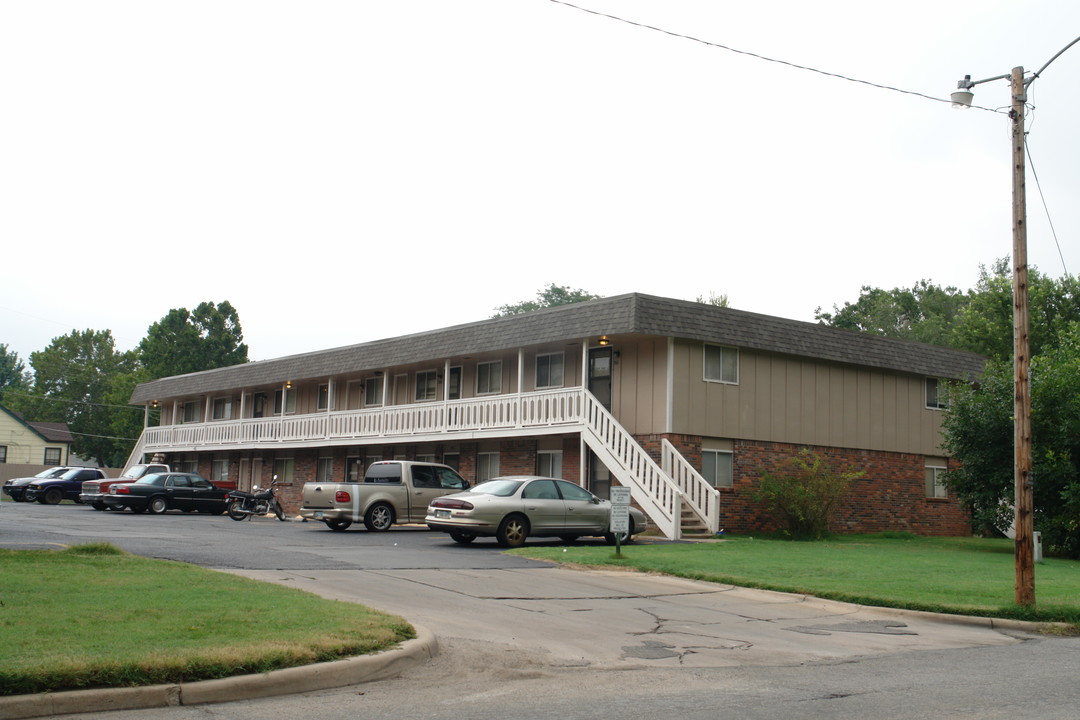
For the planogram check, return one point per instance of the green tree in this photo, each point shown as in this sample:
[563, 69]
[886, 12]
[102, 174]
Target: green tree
[183, 342]
[13, 374]
[924, 312]
[73, 378]
[978, 432]
[550, 296]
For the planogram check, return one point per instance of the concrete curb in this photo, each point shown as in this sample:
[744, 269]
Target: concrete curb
[320, 676]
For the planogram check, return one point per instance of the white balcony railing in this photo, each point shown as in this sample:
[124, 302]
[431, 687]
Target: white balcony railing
[527, 410]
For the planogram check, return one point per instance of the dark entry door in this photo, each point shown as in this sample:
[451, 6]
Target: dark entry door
[600, 375]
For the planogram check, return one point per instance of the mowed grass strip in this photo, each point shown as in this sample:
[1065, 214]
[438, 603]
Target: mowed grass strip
[93, 616]
[969, 576]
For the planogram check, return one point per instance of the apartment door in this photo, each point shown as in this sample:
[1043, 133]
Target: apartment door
[600, 375]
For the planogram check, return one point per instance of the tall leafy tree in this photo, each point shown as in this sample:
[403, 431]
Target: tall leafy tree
[182, 342]
[13, 374]
[73, 377]
[924, 312]
[979, 432]
[551, 296]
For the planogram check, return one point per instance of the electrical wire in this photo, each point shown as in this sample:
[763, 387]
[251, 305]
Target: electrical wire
[1046, 209]
[763, 57]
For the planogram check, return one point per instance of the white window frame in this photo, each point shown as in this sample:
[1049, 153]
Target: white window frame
[219, 470]
[222, 408]
[373, 391]
[324, 471]
[549, 463]
[429, 387]
[551, 381]
[285, 400]
[285, 469]
[713, 463]
[189, 412]
[729, 364]
[454, 383]
[492, 376]
[934, 394]
[322, 397]
[935, 485]
[487, 466]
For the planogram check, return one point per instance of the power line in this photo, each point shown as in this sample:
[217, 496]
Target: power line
[1046, 209]
[765, 58]
[73, 402]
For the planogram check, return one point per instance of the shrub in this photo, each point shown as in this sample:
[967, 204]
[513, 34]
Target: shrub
[802, 497]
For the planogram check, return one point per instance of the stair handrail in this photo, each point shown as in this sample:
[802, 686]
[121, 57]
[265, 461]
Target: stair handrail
[698, 493]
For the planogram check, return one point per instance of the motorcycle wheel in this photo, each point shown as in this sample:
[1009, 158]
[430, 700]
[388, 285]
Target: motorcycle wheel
[279, 512]
[235, 512]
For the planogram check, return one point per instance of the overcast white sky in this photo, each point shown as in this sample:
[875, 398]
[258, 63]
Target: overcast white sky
[348, 171]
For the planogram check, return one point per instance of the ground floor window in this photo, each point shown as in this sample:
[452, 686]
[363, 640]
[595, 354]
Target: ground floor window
[354, 469]
[3, 454]
[325, 472]
[453, 460]
[219, 471]
[935, 479]
[284, 470]
[716, 468]
[549, 463]
[487, 466]
[52, 456]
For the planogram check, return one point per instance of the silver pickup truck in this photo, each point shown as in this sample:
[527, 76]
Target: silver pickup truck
[393, 491]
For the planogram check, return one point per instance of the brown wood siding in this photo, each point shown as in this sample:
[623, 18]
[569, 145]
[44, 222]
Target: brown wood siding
[786, 399]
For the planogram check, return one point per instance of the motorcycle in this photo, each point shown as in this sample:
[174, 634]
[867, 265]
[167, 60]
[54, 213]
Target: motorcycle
[240, 505]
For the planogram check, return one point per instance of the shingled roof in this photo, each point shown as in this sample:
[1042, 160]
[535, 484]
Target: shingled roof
[620, 315]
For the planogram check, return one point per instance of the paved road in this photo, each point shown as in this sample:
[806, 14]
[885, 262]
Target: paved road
[533, 640]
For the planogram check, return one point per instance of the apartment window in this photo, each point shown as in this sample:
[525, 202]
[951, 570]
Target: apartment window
[453, 460]
[324, 397]
[935, 479]
[489, 378]
[716, 468]
[188, 464]
[258, 408]
[325, 471]
[549, 372]
[426, 458]
[549, 463]
[935, 394]
[52, 456]
[453, 383]
[426, 385]
[223, 408]
[373, 391]
[289, 401]
[487, 466]
[219, 471]
[190, 411]
[721, 364]
[284, 470]
[354, 469]
[3, 454]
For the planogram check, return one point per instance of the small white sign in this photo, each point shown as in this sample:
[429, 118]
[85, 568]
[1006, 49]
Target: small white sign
[620, 509]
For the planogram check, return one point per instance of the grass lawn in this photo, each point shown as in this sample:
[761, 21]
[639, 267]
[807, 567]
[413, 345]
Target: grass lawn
[970, 576]
[93, 616]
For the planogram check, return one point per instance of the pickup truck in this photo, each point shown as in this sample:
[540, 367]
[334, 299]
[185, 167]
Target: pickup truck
[393, 491]
[50, 491]
[94, 491]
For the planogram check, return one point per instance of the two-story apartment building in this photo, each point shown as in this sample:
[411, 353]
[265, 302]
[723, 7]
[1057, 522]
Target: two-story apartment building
[686, 403]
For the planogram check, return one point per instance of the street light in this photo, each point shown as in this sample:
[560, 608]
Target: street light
[1022, 452]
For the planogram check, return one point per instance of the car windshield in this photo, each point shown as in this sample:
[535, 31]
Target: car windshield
[498, 488]
[51, 473]
[134, 472]
[155, 479]
[71, 474]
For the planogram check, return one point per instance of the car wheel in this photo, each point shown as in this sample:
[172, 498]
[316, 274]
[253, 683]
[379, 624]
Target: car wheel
[233, 509]
[137, 508]
[512, 531]
[338, 525]
[100, 506]
[379, 517]
[461, 537]
[624, 538]
[157, 505]
[52, 496]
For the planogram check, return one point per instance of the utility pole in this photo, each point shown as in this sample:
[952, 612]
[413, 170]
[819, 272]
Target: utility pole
[1022, 447]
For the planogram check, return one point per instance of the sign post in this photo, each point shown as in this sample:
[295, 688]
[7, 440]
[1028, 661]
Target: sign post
[620, 516]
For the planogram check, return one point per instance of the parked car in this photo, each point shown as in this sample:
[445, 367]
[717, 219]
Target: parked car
[94, 491]
[51, 491]
[511, 509]
[15, 487]
[393, 491]
[168, 491]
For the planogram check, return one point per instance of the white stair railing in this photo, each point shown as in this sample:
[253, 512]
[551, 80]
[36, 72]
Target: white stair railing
[698, 494]
[653, 490]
